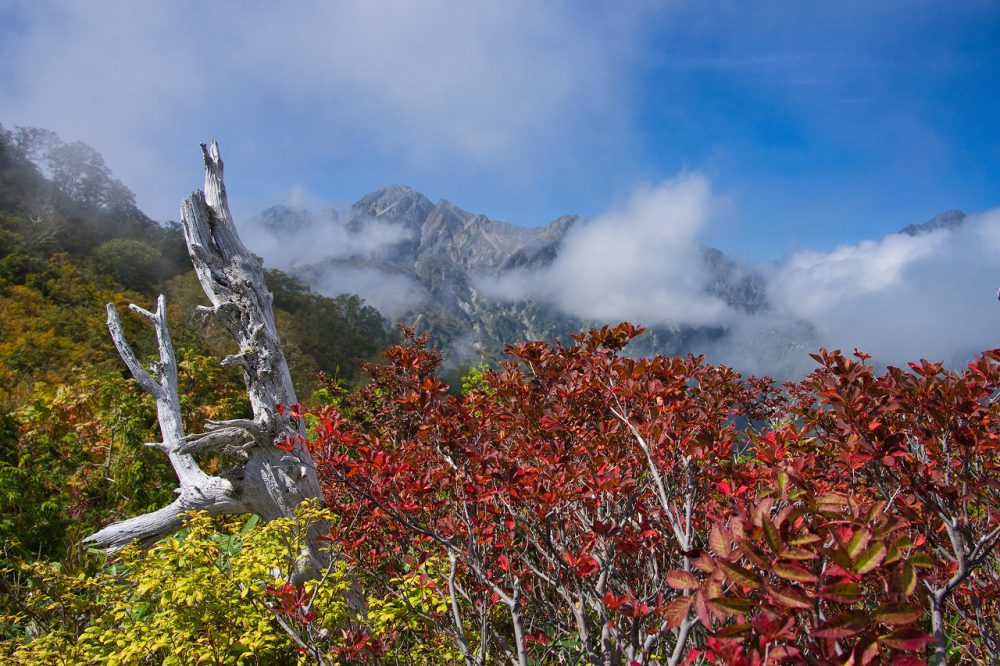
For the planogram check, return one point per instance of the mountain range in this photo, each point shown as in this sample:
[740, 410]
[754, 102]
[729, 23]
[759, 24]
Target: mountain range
[431, 265]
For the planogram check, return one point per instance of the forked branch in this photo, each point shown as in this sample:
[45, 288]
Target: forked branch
[270, 481]
[198, 490]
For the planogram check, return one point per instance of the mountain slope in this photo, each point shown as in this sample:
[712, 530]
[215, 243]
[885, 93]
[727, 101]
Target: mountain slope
[425, 263]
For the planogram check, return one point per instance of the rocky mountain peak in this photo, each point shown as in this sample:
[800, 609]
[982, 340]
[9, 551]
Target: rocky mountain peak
[393, 203]
[282, 220]
[949, 219]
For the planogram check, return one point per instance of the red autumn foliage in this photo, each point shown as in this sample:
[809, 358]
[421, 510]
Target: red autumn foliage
[593, 508]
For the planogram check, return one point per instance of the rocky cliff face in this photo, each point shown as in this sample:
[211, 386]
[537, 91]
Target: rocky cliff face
[439, 253]
[436, 266]
[442, 252]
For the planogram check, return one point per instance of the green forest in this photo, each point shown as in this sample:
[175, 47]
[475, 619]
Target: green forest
[569, 505]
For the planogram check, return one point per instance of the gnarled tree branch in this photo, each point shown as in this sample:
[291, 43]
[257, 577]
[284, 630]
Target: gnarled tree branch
[198, 490]
[270, 482]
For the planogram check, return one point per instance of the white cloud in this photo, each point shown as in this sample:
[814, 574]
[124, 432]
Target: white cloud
[439, 85]
[903, 297]
[641, 263]
[299, 196]
[391, 294]
[899, 298]
[318, 246]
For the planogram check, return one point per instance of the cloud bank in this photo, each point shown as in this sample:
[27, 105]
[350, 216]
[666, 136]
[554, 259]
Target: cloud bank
[902, 297]
[444, 90]
[332, 258]
[641, 262]
[899, 298]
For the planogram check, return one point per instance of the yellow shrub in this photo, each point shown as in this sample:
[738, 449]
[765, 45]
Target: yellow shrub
[410, 619]
[197, 597]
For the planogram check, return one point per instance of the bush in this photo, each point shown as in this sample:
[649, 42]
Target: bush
[132, 264]
[203, 595]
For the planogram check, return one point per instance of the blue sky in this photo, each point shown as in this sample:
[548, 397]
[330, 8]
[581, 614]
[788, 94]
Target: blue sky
[815, 124]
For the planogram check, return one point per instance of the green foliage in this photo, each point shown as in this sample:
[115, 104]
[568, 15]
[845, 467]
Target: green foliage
[402, 617]
[71, 446]
[335, 335]
[73, 427]
[129, 262]
[75, 455]
[475, 379]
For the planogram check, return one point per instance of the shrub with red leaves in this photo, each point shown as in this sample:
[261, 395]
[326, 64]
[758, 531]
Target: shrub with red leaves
[594, 508]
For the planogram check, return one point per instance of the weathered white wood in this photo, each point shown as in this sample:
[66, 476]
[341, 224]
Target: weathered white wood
[233, 280]
[198, 490]
[270, 482]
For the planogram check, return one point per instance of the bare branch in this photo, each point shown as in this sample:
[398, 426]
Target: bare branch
[140, 373]
[198, 490]
[268, 482]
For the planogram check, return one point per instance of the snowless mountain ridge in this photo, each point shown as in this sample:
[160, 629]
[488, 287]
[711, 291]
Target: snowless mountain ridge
[426, 263]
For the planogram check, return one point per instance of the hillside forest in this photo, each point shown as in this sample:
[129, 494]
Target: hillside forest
[569, 504]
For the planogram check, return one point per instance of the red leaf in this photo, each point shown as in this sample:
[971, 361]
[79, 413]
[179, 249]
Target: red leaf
[681, 580]
[502, 562]
[734, 630]
[898, 613]
[733, 605]
[865, 651]
[906, 583]
[843, 625]
[790, 598]
[702, 610]
[907, 638]
[858, 541]
[739, 575]
[797, 554]
[805, 539]
[844, 593]
[795, 572]
[587, 566]
[614, 601]
[771, 534]
[871, 558]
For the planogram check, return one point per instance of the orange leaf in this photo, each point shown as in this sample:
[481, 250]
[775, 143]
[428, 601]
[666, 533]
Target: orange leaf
[678, 609]
[718, 543]
[681, 580]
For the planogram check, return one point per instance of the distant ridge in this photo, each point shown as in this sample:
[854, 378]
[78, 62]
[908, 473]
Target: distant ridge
[435, 260]
[445, 252]
[950, 219]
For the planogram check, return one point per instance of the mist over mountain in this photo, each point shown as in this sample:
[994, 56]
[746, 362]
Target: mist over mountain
[478, 284]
